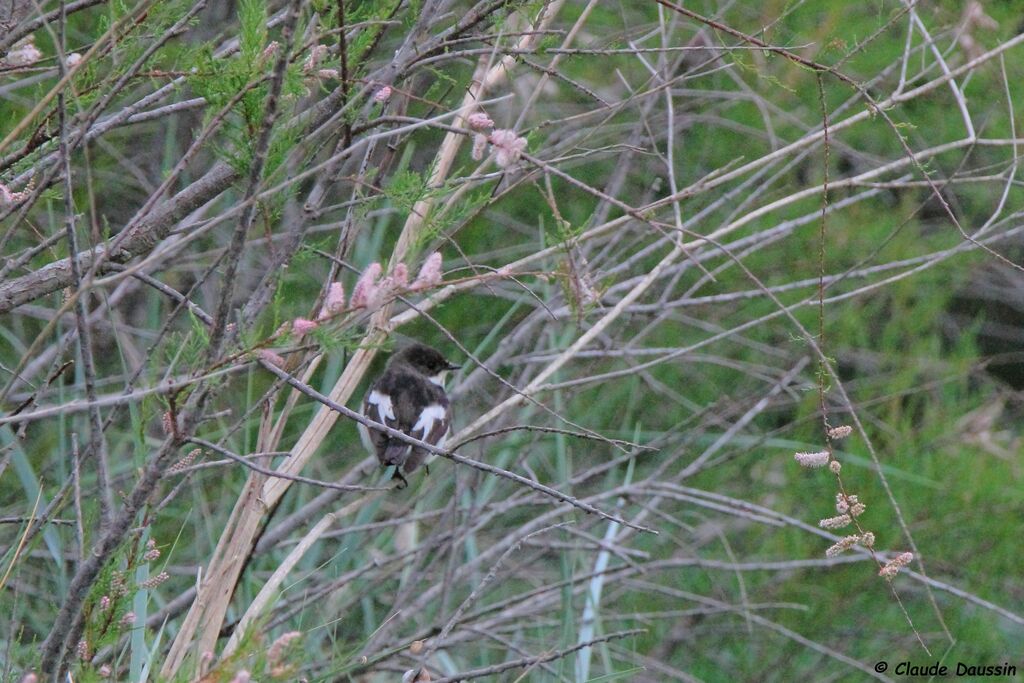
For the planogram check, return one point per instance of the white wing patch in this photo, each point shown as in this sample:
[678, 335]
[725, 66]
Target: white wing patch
[384, 406]
[364, 436]
[428, 417]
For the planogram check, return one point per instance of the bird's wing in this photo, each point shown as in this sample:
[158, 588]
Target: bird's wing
[432, 427]
[379, 408]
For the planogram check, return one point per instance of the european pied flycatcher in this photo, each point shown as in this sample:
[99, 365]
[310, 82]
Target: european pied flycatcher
[409, 396]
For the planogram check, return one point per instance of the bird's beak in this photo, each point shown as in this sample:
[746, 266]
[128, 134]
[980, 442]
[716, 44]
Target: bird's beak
[453, 366]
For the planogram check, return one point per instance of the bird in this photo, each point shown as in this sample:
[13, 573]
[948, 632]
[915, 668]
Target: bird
[408, 396]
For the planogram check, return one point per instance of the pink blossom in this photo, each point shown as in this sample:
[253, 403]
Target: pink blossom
[835, 522]
[184, 462]
[8, 198]
[327, 74]
[302, 326]
[268, 356]
[24, 53]
[508, 147]
[479, 146]
[844, 544]
[892, 567]
[105, 602]
[849, 503]
[315, 56]
[366, 287]
[30, 677]
[105, 671]
[334, 303]
[154, 581]
[819, 459]
[383, 94]
[128, 619]
[400, 276]
[72, 60]
[842, 432]
[379, 295]
[271, 49]
[479, 121]
[167, 422]
[430, 272]
[118, 585]
[385, 288]
[278, 648]
[242, 676]
[397, 280]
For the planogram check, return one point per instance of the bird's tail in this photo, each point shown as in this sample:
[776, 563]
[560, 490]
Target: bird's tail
[396, 453]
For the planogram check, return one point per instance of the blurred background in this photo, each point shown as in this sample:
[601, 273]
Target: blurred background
[728, 228]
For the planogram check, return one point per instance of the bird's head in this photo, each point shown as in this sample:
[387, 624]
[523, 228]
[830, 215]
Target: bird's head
[426, 361]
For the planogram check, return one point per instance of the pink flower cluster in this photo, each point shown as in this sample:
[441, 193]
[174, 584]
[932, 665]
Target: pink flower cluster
[301, 326]
[480, 122]
[316, 55]
[186, 461]
[24, 53]
[334, 302]
[152, 552]
[276, 660]
[9, 198]
[836, 433]
[167, 423]
[154, 581]
[507, 147]
[366, 287]
[372, 291]
[311, 66]
[430, 273]
[271, 49]
[819, 459]
[893, 567]
[867, 539]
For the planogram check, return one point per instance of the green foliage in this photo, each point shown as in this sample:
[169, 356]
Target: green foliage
[252, 30]
[438, 223]
[919, 379]
[107, 612]
[241, 84]
[406, 188]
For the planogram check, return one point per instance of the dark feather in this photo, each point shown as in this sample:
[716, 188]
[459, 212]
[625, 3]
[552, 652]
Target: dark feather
[409, 392]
